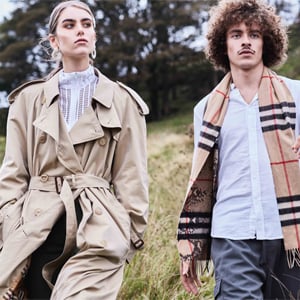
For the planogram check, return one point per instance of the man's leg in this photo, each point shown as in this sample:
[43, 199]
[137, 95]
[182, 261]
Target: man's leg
[238, 272]
[283, 282]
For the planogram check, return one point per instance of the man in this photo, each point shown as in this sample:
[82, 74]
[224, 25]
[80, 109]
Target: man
[242, 206]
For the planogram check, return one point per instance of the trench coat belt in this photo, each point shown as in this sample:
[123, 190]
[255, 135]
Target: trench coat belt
[75, 181]
[64, 186]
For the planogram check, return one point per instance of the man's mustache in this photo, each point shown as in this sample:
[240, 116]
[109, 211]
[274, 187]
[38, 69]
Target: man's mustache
[247, 49]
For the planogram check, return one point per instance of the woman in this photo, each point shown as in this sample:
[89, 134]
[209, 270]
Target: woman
[73, 184]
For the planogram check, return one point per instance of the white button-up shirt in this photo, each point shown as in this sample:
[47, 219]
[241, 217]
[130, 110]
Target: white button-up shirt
[246, 205]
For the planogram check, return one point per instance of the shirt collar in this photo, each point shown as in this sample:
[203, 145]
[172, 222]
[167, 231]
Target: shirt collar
[104, 92]
[234, 89]
[76, 79]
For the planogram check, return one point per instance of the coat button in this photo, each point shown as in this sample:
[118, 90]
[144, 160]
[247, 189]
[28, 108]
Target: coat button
[44, 178]
[98, 211]
[103, 243]
[37, 212]
[42, 139]
[102, 141]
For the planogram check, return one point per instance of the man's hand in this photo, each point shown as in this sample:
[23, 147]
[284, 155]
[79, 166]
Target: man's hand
[296, 147]
[189, 277]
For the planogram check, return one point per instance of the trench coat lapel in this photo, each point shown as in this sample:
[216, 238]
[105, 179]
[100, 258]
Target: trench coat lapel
[87, 128]
[90, 125]
[51, 122]
[48, 120]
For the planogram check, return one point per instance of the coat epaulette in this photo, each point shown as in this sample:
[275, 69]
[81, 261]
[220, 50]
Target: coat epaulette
[12, 95]
[144, 110]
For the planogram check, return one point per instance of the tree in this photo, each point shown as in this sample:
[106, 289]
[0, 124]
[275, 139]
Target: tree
[151, 48]
[168, 59]
[142, 46]
[20, 57]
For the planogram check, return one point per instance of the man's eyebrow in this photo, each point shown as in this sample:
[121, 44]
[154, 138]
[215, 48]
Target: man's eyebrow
[255, 31]
[235, 30]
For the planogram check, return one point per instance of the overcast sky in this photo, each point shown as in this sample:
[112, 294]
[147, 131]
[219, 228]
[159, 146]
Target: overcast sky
[6, 7]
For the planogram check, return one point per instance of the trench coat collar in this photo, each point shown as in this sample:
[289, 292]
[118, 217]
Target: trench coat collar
[51, 116]
[107, 114]
[103, 93]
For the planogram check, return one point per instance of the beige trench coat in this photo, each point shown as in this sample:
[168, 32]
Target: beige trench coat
[101, 162]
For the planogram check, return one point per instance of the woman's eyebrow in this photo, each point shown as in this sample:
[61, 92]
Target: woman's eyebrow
[72, 20]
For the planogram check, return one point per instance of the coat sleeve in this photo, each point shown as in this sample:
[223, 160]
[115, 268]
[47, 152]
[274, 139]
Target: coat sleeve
[129, 173]
[14, 172]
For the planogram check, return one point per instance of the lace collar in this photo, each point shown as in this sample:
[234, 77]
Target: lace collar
[76, 79]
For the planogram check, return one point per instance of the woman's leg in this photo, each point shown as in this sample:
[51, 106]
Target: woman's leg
[88, 275]
[36, 286]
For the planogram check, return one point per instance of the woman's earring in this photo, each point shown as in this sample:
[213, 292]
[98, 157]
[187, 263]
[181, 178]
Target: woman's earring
[93, 54]
[56, 54]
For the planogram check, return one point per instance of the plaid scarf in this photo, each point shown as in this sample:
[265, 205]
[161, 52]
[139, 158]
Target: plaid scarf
[277, 116]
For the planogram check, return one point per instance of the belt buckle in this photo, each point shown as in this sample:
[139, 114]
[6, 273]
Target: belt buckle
[138, 244]
[58, 183]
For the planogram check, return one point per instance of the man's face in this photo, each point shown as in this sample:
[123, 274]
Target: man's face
[244, 46]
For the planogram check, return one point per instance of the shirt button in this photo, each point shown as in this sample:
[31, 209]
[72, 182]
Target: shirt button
[102, 141]
[44, 178]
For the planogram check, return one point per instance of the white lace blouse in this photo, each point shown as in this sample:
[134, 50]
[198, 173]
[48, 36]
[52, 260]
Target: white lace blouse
[76, 90]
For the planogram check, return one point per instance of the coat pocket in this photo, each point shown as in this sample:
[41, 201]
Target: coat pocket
[12, 217]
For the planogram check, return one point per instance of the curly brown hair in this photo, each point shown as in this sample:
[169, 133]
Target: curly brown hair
[232, 12]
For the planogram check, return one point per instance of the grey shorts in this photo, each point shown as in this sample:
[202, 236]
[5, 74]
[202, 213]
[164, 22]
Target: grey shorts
[253, 269]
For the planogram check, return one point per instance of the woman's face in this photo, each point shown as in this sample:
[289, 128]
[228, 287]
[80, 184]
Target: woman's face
[75, 36]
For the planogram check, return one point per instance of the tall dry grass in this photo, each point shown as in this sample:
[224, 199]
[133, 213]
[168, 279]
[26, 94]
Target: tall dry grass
[154, 272]
[2, 148]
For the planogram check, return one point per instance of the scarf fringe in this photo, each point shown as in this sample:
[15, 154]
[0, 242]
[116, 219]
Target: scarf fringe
[204, 267]
[293, 257]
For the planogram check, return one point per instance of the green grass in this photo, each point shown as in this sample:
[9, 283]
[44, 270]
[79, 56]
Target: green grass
[2, 147]
[175, 124]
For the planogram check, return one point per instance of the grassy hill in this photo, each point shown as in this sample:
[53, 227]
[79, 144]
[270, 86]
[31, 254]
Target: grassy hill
[154, 272]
